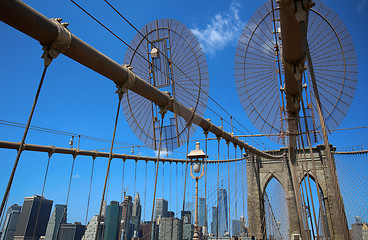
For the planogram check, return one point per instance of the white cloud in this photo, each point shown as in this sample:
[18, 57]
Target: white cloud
[76, 176]
[163, 153]
[224, 29]
[362, 5]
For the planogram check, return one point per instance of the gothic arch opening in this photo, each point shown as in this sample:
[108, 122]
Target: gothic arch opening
[276, 211]
[313, 208]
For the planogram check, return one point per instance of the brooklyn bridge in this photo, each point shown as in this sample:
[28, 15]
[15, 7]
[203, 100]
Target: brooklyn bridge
[135, 120]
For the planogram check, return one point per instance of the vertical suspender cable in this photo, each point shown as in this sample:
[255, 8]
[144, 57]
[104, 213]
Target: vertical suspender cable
[109, 161]
[163, 180]
[90, 188]
[67, 196]
[205, 182]
[43, 189]
[122, 182]
[46, 172]
[242, 167]
[145, 189]
[228, 178]
[185, 176]
[236, 188]
[156, 174]
[170, 185]
[176, 192]
[218, 181]
[135, 176]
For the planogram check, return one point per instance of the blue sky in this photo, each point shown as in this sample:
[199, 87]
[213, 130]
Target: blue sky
[75, 99]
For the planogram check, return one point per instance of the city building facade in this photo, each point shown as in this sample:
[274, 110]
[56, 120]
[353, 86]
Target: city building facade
[188, 227]
[222, 207]
[32, 222]
[10, 223]
[91, 229]
[57, 218]
[235, 227]
[146, 230]
[202, 210]
[112, 221]
[170, 228]
[70, 231]
[136, 216]
[126, 218]
[161, 208]
[214, 224]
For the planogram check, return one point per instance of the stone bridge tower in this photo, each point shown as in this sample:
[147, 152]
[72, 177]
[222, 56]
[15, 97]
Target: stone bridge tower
[261, 171]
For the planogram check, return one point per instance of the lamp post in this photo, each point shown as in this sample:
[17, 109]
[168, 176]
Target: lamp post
[197, 156]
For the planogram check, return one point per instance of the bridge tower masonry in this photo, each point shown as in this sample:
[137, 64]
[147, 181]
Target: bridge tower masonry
[261, 171]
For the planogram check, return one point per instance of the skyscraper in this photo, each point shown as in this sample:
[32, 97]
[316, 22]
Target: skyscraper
[126, 218]
[214, 224]
[357, 228]
[243, 227]
[58, 217]
[202, 212]
[91, 229]
[170, 214]
[70, 231]
[170, 228]
[222, 212]
[112, 221]
[190, 206]
[33, 220]
[161, 208]
[146, 230]
[188, 227]
[136, 215]
[186, 216]
[236, 228]
[10, 222]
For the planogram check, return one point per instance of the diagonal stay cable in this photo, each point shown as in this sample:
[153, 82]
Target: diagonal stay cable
[65, 133]
[21, 146]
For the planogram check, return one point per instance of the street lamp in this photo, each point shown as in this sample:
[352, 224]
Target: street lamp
[197, 156]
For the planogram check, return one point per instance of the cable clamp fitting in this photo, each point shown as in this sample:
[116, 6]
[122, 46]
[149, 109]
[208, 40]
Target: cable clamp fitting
[60, 45]
[206, 131]
[52, 150]
[130, 79]
[163, 110]
[95, 154]
[76, 153]
[21, 147]
[300, 8]
[120, 91]
[129, 83]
